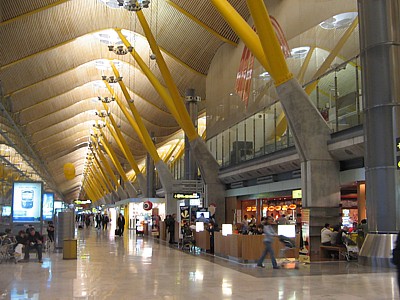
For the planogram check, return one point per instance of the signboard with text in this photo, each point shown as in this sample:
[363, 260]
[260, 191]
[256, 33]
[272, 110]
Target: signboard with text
[48, 206]
[27, 202]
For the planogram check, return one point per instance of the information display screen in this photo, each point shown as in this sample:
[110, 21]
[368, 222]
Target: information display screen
[27, 201]
[48, 206]
[287, 230]
[206, 214]
[6, 211]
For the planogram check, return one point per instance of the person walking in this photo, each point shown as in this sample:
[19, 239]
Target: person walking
[268, 239]
[121, 224]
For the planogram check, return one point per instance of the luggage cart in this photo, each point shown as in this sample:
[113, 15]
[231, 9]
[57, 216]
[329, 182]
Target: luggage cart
[351, 249]
[7, 250]
[288, 244]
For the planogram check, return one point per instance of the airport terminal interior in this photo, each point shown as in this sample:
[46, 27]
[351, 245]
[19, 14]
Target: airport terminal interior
[199, 122]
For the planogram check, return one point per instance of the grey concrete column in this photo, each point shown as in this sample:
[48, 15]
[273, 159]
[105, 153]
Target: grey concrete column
[150, 188]
[189, 162]
[142, 183]
[167, 181]
[209, 168]
[319, 171]
[379, 42]
[130, 189]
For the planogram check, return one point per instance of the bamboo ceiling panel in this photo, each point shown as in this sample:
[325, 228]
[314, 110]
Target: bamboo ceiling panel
[207, 14]
[10, 9]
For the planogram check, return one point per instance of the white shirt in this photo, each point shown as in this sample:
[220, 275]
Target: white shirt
[325, 235]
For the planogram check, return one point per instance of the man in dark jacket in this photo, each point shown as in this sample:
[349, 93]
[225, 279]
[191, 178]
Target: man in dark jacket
[121, 224]
[170, 223]
[34, 240]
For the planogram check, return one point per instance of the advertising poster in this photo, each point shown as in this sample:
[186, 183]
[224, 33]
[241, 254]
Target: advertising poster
[48, 206]
[27, 200]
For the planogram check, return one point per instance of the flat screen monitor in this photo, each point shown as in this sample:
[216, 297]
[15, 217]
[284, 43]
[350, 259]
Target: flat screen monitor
[287, 230]
[48, 206]
[27, 202]
[206, 214]
[6, 211]
[58, 205]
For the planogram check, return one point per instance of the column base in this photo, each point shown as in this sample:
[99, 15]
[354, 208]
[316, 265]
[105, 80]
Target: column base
[377, 250]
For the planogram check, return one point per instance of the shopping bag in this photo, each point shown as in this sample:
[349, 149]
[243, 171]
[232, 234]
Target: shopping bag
[117, 232]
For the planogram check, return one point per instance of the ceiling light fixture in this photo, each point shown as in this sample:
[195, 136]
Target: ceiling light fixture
[106, 99]
[111, 79]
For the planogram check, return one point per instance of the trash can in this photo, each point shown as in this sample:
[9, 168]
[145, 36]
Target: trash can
[70, 249]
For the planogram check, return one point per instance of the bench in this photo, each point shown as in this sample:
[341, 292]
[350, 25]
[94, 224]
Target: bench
[326, 251]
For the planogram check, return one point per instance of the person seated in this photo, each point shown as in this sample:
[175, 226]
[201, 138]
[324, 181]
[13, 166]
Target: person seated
[326, 234]
[282, 220]
[339, 238]
[34, 240]
[334, 235]
[259, 230]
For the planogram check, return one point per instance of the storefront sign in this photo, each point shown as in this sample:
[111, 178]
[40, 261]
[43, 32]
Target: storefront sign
[186, 195]
[296, 194]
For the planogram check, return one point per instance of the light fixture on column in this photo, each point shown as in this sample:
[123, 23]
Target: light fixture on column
[134, 5]
[106, 99]
[111, 79]
[120, 50]
[99, 125]
[102, 114]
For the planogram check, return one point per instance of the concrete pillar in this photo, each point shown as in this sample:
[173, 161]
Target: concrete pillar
[214, 189]
[319, 171]
[379, 43]
[190, 163]
[167, 182]
[150, 188]
[142, 184]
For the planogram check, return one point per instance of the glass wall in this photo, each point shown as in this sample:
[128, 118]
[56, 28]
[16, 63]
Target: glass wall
[266, 131]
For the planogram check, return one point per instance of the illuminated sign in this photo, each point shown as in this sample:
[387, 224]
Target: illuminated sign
[296, 194]
[27, 202]
[186, 196]
[48, 206]
[82, 202]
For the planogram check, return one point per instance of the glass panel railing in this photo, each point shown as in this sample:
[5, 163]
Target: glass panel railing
[337, 95]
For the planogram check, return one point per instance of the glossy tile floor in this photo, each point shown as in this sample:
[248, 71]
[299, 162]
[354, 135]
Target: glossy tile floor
[142, 268]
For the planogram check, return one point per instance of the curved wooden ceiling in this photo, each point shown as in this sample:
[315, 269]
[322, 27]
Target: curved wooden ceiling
[50, 82]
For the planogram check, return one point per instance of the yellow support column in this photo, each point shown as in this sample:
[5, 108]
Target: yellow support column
[111, 188]
[102, 175]
[105, 162]
[187, 124]
[113, 156]
[243, 30]
[269, 42]
[151, 149]
[124, 145]
[161, 90]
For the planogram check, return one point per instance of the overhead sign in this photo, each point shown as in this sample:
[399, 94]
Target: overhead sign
[186, 195]
[296, 194]
[27, 202]
[82, 202]
[48, 206]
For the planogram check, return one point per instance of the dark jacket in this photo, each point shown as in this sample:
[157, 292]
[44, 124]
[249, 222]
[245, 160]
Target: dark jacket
[32, 240]
[121, 222]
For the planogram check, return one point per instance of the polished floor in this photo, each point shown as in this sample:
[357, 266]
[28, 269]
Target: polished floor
[132, 267]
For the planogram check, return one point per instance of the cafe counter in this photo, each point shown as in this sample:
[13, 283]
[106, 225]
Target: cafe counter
[248, 248]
